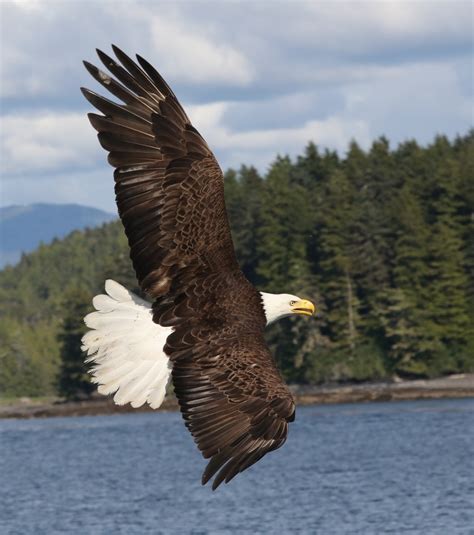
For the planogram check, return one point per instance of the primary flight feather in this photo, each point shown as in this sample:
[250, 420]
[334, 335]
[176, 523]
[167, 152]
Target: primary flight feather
[205, 326]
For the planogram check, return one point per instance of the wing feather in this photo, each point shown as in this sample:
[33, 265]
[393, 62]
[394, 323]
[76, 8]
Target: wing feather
[230, 391]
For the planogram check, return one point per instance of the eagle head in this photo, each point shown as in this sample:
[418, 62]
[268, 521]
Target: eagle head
[277, 306]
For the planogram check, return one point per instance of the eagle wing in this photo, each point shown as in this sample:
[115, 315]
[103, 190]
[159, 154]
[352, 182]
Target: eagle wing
[170, 196]
[169, 188]
[231, 394]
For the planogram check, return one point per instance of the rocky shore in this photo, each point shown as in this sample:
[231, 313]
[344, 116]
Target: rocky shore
[454, 386]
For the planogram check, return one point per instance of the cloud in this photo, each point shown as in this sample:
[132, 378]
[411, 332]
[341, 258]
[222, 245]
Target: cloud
[46, 142]
[259, 146]
[412, 101]
[256, 78]
[218, 50]
[386, 28]
[193, 57]
[285, 111]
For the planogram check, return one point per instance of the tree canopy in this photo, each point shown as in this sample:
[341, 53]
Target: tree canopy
[381, 240]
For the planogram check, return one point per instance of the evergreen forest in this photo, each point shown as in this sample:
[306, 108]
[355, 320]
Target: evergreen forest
[381, 240]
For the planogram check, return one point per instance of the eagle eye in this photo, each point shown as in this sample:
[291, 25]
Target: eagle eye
[292, 302]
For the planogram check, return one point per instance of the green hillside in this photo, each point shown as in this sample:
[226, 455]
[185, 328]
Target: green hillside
[382, 241]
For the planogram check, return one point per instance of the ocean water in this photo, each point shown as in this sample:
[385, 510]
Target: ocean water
[401, 467]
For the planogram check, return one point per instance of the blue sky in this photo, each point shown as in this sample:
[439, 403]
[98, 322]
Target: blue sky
[257, 79]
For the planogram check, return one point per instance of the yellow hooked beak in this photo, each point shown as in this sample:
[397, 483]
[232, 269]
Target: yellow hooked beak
[303, 307]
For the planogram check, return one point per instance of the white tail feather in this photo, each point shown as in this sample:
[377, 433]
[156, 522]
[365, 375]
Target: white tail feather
[126, 347]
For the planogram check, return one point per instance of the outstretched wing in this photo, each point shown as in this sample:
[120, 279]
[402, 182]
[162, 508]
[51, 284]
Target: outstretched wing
[169, 187]
[232, 396]
[170, 195]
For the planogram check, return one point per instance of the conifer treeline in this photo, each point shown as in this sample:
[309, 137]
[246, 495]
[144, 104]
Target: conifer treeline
[382, 241]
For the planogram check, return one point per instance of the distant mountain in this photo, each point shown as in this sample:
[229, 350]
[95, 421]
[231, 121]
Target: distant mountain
[23, 228]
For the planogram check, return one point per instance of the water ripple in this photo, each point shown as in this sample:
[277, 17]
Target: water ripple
[403, 467]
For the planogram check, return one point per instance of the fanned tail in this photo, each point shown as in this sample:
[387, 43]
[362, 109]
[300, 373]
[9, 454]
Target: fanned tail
[126, 348]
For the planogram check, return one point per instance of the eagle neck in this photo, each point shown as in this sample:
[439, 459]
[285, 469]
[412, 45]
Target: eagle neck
[275, 306]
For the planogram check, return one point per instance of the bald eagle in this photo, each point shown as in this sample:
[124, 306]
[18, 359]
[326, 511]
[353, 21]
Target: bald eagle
[205, 327]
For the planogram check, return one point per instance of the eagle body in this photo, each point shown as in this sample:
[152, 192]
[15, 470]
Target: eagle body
[204, 327]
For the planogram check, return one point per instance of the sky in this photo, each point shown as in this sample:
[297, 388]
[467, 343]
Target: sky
[256, 78]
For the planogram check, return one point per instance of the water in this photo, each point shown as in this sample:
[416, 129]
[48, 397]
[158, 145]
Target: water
[402, 467]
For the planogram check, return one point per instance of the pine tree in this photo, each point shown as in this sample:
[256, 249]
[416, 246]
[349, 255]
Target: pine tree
[336, 220]
[73, 381]
[247, 220]
[448, 281]
[464, 154]
[282, 234]
[282, 250]
[374, 228]
[404, 305]
[312, 170]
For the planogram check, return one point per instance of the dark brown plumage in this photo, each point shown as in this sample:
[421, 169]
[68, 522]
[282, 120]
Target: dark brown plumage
[170, 195]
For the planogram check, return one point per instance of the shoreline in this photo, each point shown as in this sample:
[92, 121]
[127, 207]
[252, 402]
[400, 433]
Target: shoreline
[454, 386]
